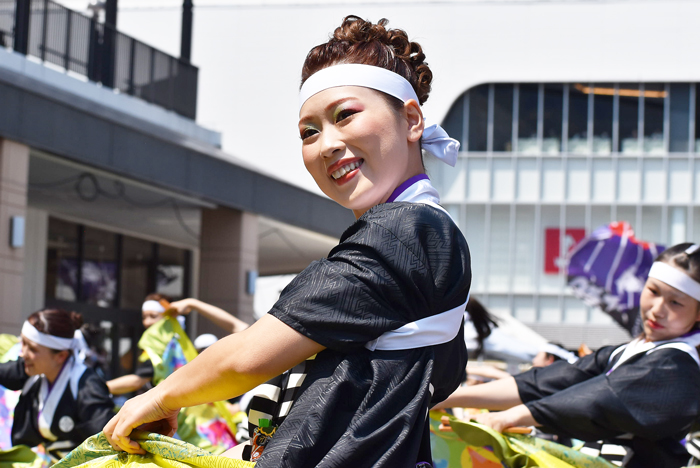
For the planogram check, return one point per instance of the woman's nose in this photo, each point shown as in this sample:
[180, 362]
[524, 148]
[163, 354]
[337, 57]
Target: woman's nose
[330, 143]
[658, 309]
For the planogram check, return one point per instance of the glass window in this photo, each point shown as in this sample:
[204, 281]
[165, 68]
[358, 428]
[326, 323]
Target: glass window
[499, 249]
[697, 119]
[454, 121]
[578, 119]
[100, 266]
[478, 117]
[527, 118]
[679, 120]
[603, 119]
[62, 260]
[503, 117]
[138, 272]
[628, 141]
[171, 277]
[654, 97]
[552, 118]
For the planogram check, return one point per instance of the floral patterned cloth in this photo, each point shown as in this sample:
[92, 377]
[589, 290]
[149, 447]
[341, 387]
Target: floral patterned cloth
[162, 452]
[475, 446]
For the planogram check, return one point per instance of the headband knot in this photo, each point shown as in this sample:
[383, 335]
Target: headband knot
[435, 140]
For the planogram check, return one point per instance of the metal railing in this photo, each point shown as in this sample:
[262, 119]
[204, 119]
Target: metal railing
[80, 44]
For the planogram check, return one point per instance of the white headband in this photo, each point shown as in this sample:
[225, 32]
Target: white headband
[675, 278]
[152, 306]
[434, 140]
[555, 350]
[44, 339]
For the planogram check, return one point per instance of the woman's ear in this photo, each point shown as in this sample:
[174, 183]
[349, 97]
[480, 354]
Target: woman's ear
[414, 117]
[62, 356]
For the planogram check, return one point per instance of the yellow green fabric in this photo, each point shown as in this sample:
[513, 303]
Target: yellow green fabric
[6, 344]
[472, 445]
[168, 347]
[22, 456]
[162, 452]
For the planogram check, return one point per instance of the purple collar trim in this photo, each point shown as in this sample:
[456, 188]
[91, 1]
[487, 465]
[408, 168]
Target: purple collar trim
[402, 188]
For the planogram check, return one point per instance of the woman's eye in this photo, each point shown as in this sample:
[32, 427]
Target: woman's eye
[344, 114]
[308, 132]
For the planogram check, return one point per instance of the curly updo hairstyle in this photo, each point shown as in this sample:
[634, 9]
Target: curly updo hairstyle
[360, 41]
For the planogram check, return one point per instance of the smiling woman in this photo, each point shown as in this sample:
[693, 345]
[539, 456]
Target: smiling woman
[370, 336]
[62, 402]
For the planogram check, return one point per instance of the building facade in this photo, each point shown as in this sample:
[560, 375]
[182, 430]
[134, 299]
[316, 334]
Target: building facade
[544, 164]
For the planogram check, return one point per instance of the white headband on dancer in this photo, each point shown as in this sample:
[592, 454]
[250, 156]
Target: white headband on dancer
[152, 306]
[434, 140]
[44, 339]
[675, 278]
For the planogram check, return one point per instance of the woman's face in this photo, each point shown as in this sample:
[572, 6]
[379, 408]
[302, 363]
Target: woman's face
[666, 312]
[39, 359]
[357, 147]
[150, 317]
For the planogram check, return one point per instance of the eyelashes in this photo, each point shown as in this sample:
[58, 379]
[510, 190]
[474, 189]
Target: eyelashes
[340, 115]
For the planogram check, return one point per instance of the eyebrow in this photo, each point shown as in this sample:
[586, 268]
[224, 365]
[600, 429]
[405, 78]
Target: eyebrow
[328, 107]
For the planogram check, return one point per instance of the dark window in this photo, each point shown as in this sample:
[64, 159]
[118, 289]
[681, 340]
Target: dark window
[171, 275]
[478, 117]
[137, 272]
[697, 118]
[527, 118]
[99, 268]
[454, 121]
[679, 137]
[62, 260]
[628, 141]
[552, 118]
[654, 98]
[503, 117]
[578, 119]
[603, 118]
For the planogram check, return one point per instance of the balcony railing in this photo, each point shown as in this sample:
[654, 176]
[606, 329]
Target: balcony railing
[80, 44]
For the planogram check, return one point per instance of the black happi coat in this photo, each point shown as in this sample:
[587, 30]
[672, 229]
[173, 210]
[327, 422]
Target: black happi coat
[652, 396]
[89, 411]
[396, 264]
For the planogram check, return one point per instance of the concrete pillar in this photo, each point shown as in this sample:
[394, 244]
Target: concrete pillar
[14, 176]
[228, 252]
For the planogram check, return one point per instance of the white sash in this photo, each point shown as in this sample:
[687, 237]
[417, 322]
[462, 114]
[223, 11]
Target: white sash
[687, 344]
[428, 331]
[49, 398]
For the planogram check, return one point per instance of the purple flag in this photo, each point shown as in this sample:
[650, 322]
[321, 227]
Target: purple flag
[608, 269]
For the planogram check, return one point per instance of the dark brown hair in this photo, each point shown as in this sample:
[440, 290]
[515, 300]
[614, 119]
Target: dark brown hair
[360, 41]
[483, 323]
[157, 297]
[676, 256]
[56, 322]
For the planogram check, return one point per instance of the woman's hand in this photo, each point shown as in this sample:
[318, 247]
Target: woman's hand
[183, 307]
[516, 416]
[145, 412]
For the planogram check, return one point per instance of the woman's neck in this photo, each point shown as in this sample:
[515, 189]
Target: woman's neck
[51, 377]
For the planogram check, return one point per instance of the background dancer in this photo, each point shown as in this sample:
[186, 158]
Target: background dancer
[63, 401]
[642, 395]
